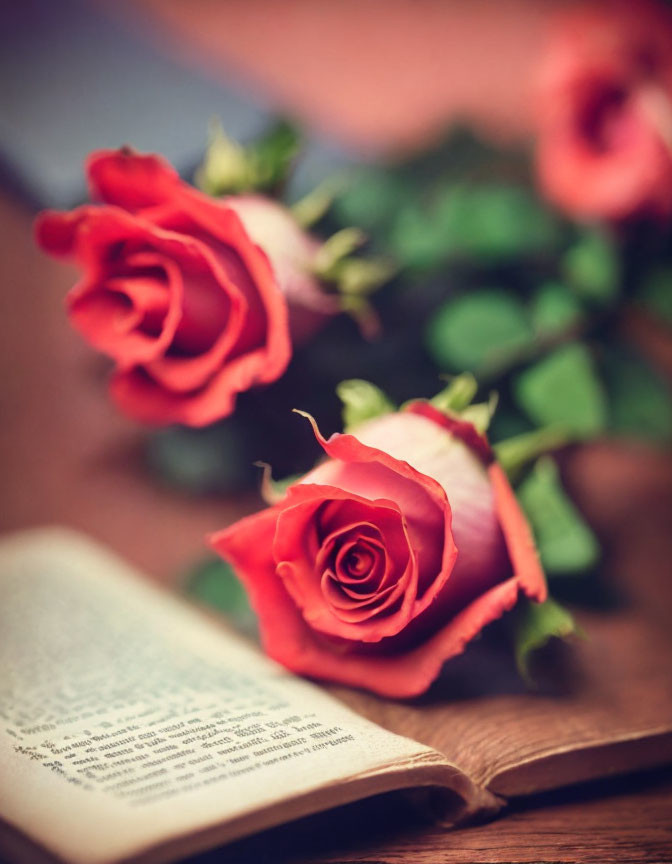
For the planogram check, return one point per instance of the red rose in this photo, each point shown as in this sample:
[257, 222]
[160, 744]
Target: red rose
[605, 120]
[386, 559]
[176, 290]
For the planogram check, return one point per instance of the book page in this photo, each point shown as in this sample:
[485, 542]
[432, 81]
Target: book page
[129, 722]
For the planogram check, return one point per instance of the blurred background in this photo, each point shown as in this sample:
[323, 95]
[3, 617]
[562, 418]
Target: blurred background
[512, 159]
[418, 103]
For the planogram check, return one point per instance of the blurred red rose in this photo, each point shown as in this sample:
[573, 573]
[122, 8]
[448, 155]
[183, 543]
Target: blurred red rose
[386, 559]
[605, 115]
[189, 295]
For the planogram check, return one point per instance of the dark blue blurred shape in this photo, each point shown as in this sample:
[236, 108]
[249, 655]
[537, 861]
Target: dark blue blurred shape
[73, 80]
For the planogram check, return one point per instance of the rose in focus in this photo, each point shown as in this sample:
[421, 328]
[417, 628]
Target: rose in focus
[604, 145]
[387, 558]
[195, 299]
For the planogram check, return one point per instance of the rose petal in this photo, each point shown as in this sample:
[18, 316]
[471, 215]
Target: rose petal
[296, 560]
[213, 315]
[55, 231]
[258, 316]
[398, 676]
[453, 454]
[465, 431]
[371, 473]
[110, 314]
[355, 611]
[141, 397]
[129, 179]
[395, 549]
[518, 536]
[360, 566]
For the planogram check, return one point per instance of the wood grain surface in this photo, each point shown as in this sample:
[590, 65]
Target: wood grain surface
[66, 457]
[602, 823]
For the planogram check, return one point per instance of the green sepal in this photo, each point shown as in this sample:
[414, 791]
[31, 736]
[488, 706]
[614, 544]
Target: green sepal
[563, 389]
[228, 167]
[457, 395]
[358, 277]
[566, 544]
[316, 203]
[534, 625]
[225, 167]
[273, 154]
[335, 249]
[213, 582]
[362, 401]
[455, 401]
[352, 277]
[513, 454]
[480, 414]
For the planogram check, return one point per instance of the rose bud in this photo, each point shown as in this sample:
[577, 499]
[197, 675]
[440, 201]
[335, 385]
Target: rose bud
[189, 295]
[605, 118]
[386, 559]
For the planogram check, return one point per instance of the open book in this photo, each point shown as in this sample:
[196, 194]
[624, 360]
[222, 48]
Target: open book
[132, 728]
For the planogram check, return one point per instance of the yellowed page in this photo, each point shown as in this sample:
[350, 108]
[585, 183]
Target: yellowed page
[128, 722]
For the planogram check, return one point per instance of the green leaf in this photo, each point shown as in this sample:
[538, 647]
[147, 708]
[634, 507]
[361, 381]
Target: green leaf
[417, 239]
[592, 267]
[362, 401]
[640, 402]
[534, 625]
[371, 199]
[656, 294]
[214, 583]
[487, 223]
[563, 390]
[566, 543]
[477, 330]
[494, 222]
[554, 309]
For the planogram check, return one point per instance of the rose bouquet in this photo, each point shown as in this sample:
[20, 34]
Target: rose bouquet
[520, 276]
